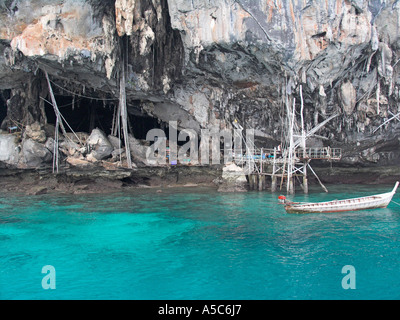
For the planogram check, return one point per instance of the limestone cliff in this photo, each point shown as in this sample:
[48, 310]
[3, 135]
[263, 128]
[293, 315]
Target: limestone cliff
[206, 63]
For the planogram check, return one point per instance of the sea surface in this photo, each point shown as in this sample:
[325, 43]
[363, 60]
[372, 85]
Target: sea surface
[195, 243]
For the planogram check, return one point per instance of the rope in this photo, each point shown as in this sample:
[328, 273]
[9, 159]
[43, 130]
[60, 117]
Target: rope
[396, 203]
[82, 96]
[75, 93]
[66, 136]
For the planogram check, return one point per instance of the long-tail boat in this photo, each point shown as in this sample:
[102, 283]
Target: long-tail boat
[369, 202]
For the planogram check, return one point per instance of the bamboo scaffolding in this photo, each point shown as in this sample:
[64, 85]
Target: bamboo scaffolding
[59, 124]
[387, 121]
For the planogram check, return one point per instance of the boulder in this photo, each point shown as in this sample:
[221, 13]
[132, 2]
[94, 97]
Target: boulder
[77, 137]
[50, 144]
[118, 152]
[9, 149]
[69, 148]
[99, 146]
[115, 141]
[35, 154]
[35, 132]
[233, 179]
[138, 151]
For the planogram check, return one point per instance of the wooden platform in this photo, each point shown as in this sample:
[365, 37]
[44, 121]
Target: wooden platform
[260, 163]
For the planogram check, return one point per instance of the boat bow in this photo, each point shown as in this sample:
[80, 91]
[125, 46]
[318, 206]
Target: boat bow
[395, 187]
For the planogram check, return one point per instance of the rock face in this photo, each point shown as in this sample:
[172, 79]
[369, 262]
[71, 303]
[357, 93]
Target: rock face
[233, 179]
[206, 63]
[35, 154]
[347, 95]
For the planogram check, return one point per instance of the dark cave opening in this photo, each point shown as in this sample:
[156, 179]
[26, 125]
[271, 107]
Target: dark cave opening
[84, 115]
[140, 124]
[4, 96]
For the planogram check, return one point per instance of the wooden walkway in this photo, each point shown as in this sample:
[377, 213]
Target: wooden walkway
[271, 156]
[259, 163]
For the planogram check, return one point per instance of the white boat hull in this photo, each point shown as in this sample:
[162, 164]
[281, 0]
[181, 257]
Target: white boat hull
[362, 203]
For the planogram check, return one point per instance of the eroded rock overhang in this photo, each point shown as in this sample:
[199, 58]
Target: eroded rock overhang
[209, 63]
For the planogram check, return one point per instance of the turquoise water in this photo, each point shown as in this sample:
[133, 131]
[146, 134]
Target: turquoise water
[196, 244]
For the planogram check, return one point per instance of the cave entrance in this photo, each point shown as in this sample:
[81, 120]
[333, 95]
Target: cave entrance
[82, 114]
[4, 96]
[140, 123]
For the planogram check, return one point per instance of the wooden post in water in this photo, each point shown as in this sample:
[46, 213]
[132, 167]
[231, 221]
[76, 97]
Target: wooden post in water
[260, 175]
[273, 177]
[273, 183]
[305, 180]
[291, 184]
[250, 182]
[261, 182]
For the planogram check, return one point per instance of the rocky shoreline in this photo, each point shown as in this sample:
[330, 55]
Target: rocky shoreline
[98, 180]
[359, 175]
[72, 180]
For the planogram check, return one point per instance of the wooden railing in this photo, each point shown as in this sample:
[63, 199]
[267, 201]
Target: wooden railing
[326, 153]
[268, 154]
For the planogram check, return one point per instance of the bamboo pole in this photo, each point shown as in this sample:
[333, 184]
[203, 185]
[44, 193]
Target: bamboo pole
[394, 117]
[124, 114]
[290, 185]
[378, 93]
[113, 123]
[303, 135]
[303, 142]
[323, 187]
[54, 102]
[283, 169]
[55, 148]
[58, 124]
